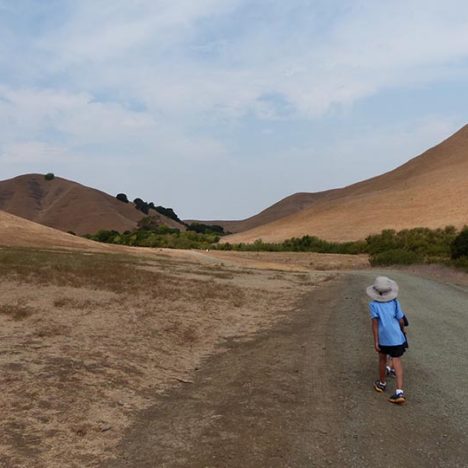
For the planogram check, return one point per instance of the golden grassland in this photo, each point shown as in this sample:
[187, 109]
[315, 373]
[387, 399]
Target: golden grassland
[89, 339]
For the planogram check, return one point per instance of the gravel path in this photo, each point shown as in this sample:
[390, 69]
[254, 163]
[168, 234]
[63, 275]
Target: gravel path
[301, 395]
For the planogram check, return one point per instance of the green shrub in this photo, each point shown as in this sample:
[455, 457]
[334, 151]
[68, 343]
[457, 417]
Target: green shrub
[423, 241]
[49, 176]
[396, 257]
[153, 224]
[104, 236]
[157, 236]
[382, 242]
[459, 246]
[419, 245]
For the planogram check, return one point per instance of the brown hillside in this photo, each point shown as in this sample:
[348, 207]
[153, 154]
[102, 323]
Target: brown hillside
[69, 206]
[19, 232]
[285, 207]
[430, 190]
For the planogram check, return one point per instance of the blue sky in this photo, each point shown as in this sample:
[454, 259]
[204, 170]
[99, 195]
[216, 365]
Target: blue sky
[219, 108]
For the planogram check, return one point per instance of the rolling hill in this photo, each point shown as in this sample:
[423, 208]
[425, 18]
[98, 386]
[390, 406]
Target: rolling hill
[20, 232]
[69, 206]
[430, 190]
[285, 207]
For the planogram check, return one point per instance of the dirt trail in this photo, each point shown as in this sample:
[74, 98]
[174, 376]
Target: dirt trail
[300, 395]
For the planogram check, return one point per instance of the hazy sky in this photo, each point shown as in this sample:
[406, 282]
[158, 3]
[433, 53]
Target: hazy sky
[219, 108]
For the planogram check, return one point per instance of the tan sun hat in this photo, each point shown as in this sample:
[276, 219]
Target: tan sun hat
[383, 290]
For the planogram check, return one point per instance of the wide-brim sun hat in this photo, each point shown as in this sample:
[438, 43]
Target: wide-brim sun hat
[383, 290]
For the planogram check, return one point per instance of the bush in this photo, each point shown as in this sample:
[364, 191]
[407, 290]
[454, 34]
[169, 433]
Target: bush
[153, 224]
[382, 242]
[459, 246]
[419, 245]
[49, 176]
[423, 241]
[396, 257]
[150, 223]
[157, 236]
[104, 236]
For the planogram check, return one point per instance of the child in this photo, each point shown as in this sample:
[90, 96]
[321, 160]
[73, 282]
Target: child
[387, 328]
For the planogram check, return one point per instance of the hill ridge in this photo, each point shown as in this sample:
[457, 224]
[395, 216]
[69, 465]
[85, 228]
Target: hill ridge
[302, 200]
[442, 169]
[70, 206]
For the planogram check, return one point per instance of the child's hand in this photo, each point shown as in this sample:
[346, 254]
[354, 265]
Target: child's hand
[377, 347]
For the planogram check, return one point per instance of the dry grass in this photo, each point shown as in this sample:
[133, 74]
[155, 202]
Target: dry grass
[16, 311]
[292, 261]
[94, 337]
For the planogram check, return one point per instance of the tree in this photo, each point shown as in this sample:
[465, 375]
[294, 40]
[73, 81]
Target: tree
[168, 212]
[122, 197]
[149, 223]
[49, 176]
[205, 228]
[141, 205]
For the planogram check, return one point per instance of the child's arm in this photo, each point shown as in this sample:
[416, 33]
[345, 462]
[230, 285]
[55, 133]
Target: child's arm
[402, 325]
[375, 332]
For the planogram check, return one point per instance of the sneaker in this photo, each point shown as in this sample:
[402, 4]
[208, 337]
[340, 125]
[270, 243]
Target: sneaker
[379, 386]
[397, 398]
[391, 372]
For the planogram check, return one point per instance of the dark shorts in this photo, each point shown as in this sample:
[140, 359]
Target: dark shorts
[394, 351]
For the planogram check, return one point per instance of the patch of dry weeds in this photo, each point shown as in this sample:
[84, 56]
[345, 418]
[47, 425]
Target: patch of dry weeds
[16, 311]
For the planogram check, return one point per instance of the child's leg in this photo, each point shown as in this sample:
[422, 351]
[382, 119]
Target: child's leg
[382, 366]
[398, 365]
[389, 367]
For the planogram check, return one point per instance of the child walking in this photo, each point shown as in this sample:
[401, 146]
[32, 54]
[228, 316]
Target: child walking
[387, 327]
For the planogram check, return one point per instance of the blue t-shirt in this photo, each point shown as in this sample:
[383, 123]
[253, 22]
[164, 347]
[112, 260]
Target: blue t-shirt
[388, 314]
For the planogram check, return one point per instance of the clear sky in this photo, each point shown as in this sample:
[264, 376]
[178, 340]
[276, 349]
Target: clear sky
[219, 108]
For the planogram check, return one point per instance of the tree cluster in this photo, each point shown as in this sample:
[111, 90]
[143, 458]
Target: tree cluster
[206, 228]
[145, 207]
